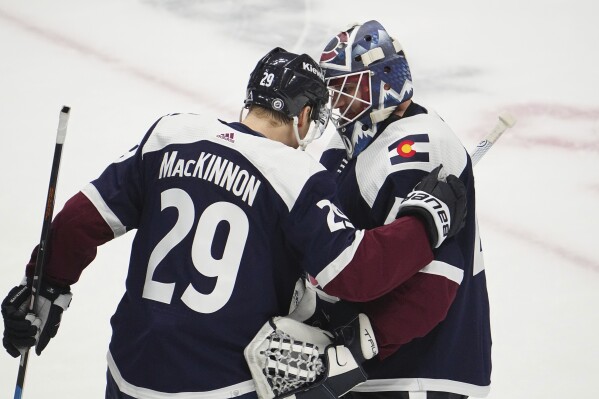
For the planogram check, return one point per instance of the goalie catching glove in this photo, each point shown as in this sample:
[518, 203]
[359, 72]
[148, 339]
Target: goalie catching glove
[289, 359]
[440, 202]
[23, 330]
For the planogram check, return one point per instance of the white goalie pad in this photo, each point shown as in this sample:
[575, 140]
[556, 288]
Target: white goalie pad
[286, 355]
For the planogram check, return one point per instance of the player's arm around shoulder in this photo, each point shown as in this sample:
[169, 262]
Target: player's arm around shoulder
[401, 156]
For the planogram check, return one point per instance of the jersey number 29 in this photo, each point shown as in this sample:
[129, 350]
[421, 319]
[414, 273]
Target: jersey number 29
[225, 269]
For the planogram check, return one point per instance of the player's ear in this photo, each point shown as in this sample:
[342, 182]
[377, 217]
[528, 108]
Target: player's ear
[304, 116]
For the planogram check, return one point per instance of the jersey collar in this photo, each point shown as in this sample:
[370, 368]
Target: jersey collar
[240, 127]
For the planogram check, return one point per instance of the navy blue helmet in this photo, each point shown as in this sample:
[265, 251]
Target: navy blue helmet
[287, 82]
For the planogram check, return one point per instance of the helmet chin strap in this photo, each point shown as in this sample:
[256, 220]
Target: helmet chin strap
[241, 114]
[314, 133]
[301, 143]
[318, 127]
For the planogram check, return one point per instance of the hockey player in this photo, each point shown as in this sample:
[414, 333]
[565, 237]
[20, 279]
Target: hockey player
[433, 330]
[228, 215]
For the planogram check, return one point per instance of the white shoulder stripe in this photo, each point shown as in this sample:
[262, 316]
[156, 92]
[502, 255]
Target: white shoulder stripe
[335, 267]
[444, 269]
[139, 392]
[441, 145]
[92, 193]
[178, 129]
[286, 169]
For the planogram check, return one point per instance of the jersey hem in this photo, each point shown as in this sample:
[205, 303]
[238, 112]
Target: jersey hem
[423, 384]
[125, 387]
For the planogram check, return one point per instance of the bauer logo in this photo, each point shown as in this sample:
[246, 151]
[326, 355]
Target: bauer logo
[409, 149]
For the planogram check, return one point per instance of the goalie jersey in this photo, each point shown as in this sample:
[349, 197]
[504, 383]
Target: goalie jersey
[227, 221]
[433, 330]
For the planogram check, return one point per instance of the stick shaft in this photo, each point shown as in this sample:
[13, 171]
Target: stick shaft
[48, 213]
[505, 121]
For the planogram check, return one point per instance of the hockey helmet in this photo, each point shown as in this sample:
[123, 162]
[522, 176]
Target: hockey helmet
[368, 76]
[286, 82]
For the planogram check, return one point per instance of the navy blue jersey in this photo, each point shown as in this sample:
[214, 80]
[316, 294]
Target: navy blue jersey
[450, 350]
[226, 220]
[196, 246]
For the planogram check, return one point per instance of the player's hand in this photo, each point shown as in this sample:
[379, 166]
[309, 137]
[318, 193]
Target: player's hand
[440, 203]
[22, 330]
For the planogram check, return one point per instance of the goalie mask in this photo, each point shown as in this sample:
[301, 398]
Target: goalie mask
[368, 77]
[286, 82]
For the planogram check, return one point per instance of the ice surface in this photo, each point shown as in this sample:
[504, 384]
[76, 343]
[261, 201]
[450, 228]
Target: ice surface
[120, 64]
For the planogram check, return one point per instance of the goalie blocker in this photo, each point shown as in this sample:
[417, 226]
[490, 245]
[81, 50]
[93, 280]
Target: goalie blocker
[289, 359]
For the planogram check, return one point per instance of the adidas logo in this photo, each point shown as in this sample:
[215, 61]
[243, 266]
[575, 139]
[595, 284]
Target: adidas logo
[227, 136]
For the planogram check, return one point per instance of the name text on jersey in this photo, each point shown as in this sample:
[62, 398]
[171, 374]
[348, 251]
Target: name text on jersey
[215, 169]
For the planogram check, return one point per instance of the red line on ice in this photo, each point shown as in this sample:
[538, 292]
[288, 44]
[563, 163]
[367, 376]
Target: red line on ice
[67, 42]
[545, 245]
[528, 111]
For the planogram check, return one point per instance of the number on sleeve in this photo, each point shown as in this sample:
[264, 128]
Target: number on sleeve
[344, 223]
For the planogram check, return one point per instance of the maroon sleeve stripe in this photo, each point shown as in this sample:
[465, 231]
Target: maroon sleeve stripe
[76, 232]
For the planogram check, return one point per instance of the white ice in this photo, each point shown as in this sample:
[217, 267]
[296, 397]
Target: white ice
[121, 64]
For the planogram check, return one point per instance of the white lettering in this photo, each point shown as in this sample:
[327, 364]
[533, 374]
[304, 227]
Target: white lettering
[215, 169]
[187, 165]
[315, 70]
[230, 175]
[240, 182]
[251, 190]
[179, 168]
[167, 165]
[199, 169]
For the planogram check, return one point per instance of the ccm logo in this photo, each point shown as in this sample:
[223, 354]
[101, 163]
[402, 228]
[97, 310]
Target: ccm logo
[433, 203]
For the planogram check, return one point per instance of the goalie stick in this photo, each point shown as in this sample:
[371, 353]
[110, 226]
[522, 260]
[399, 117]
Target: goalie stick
[506, 120]
[48, 212]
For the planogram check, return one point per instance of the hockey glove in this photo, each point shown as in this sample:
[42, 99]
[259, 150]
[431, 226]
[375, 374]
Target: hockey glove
[353, 330]
[342, 373]
[354, 343]
[440, 203]
[23, 330]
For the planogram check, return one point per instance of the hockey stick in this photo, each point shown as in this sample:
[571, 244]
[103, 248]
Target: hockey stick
[41, 252]
[506, 120]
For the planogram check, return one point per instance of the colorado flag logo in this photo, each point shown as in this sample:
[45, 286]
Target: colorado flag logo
[409, 149]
